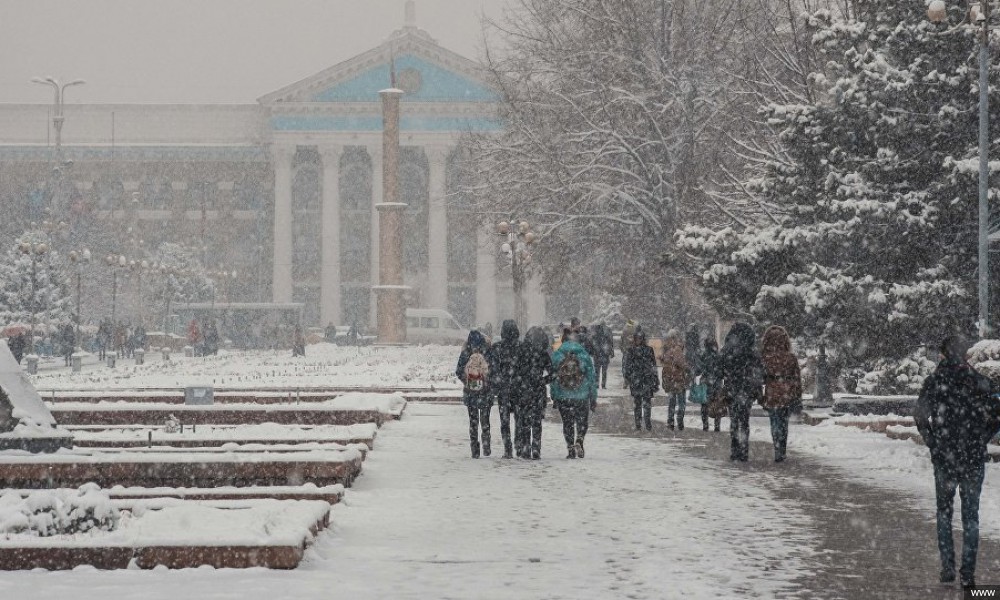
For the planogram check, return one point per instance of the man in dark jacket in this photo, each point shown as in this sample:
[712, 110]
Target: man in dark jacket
[476, 395]
[640, 375]
[604, 348]
[536, 372]
[504, 379]
[743, 380]
[956, 416]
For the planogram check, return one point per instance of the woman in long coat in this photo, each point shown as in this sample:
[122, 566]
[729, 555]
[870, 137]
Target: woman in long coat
[782, 384]
[640, 375]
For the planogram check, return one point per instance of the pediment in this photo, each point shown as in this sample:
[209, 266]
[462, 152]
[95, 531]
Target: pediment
[424, 70]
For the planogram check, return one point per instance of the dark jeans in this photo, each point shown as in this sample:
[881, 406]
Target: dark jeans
[576, 418]
[642, 405]
[704, 418]
[508, 411]
[528, 430]
[970, 486]
[602, 374]
[779, 430]
[479, 415]
[739, 429]
[678, 403]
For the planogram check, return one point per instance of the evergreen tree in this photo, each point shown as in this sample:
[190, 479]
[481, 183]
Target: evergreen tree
[44, 273]
[874, 247]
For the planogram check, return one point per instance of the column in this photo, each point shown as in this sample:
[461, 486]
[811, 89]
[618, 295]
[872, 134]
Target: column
[534, 300]
[437, 228]
[375, 152]
[281, 279]
[486, 278]
[330, 305]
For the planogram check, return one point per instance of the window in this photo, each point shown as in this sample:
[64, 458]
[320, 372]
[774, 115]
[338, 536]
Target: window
[306, 188]
[429, 323]
[413, 322]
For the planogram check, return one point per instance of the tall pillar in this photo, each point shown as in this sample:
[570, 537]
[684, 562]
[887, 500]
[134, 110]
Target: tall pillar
[390, 291]
[486, 278]
[378, 196]
[281, 278]
[534, 300]
[437, 228]
[330, 302]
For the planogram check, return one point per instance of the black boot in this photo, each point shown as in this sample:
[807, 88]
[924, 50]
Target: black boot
[571, 451]
[486, 447]
[579, 448]
[475, 450]
[508, 451]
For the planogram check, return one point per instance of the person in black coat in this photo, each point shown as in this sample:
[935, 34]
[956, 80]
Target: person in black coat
[604, 351]
[640, 374]
[504, 380]
[743, 381]
[957, 416]
[536, 372]
[476, 395]
[708, 367]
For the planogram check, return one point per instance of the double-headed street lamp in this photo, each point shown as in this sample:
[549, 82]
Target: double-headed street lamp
[518, 238]
[57, 118]
[979, 17]
[225, 277]
[115, 262]
[78, 259]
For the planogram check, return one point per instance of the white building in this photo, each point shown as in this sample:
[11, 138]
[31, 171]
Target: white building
[283, 190]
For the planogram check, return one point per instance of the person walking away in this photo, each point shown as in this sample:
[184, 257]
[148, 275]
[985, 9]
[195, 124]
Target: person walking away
[584, 339]
[572, 388]
[474, 373]
[642, 379]
[676, 378]
[709, 369]
[504, 387]
[743, 379]
[194, 336]
[330, 333]
[628, 335]
[782, 384]
[536, 371]
[298, 342]
[957, 416]
[604, 348]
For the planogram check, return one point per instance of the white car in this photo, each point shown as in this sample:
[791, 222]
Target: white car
[433, 326]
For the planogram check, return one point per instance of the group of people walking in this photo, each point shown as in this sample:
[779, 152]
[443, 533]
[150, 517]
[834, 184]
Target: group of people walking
[514, 374]
[122, 339]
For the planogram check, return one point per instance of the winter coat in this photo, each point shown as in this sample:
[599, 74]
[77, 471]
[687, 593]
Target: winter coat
[742, 371]
[535, 366]
[503, 360]
[692, 346]
[640, 370]
[782, 376]
[957, 416]
[676, 378]
[588, 390]
[604, 345]
[627, 334]
[710, 370]
[475, 343]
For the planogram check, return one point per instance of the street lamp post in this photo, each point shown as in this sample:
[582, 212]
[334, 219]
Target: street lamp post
[79, 259]
[57, 118]
[518, 237]
[979, 16]
[138, 266]
[115, 263]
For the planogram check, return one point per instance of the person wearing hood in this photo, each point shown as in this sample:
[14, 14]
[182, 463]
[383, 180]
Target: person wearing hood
[473, 370]
[676, 378]
[957, 415]
[782, 384]
[504, 379]
[535, 367]
[573, 387]
[604, 348]
[711, 375]
[743, 378]
[641, 378]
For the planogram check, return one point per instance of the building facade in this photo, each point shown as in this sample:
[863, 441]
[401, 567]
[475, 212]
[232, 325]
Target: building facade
[283, 191]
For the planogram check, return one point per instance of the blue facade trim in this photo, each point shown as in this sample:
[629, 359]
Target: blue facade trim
[436, 85]
[320, 123]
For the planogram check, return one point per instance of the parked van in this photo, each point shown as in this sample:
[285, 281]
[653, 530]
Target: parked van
[433, 326]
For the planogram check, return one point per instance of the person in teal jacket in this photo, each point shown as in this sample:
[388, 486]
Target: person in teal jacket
[573, 388]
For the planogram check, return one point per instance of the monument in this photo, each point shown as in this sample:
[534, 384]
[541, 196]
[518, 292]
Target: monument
[25, 421]
[390, 291]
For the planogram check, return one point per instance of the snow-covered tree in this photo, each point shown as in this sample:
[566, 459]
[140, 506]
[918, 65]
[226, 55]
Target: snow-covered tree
[44, 273]
[872, 245]
[178, 277]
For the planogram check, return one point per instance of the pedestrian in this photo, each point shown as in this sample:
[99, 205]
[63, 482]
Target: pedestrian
[957, 415]
[330, 333]
[535, 367]
[194, 336]
[584, 339]
[628, 335]
[604, 347]
[504, 386]
[120, 335]
[298, 342]
[743, 379]
[676, 378]
[642, 379]
[709, 369]
[17, 344]
[782, 384]
[572, 389]
[67, 339]
[474, 373]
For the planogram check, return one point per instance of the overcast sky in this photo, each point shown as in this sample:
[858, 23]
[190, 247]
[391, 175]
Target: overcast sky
[205, 51]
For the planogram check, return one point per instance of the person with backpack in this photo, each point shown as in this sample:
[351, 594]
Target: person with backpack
[474, 372]
[782, 384]
[711, 377]
[642, 379]
[504, 386]
[957, 415]
[604, 347]
[572, 389]
[742, 380]
[676, 378]
[536, 372]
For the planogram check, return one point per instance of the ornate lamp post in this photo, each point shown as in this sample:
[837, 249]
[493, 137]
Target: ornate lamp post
[518, 238]
[138, 266]
[78, 259]
[979, 17]
[115, 262]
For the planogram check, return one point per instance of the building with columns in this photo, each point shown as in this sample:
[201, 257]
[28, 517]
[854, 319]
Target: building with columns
[284, 190]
